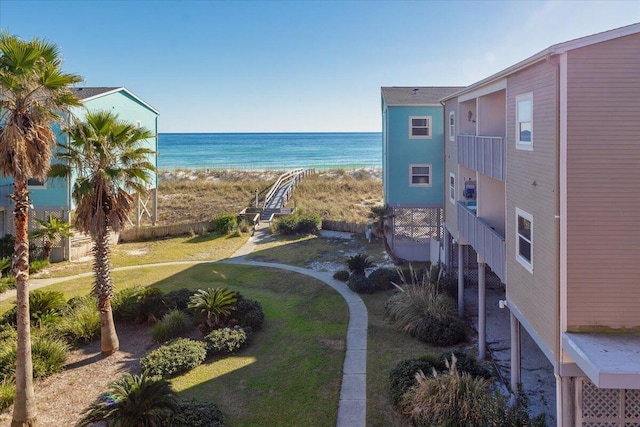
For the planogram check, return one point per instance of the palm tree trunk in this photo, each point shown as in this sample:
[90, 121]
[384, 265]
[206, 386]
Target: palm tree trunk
[48, 247]
[24, 408]
[103, 289]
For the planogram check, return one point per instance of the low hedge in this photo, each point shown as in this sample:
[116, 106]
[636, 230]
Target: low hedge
[361, 284]
[173, 358]
[342, 275]
[298, 224]
[194, 413]
[247, 313]
[225, 223]
[382, 278]
[227, 340]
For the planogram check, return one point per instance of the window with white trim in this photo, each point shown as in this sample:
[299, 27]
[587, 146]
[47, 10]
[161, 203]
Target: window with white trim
[524, 239]
[524, 121]
[420, 175]
[452, 188]
[420, 127]
[452, 126]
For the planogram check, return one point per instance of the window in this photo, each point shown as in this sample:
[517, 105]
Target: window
[452, 188]
[452, 126]
[420, 175]
[524, 239]
[420, 127]
[35, 183]
[524, 122]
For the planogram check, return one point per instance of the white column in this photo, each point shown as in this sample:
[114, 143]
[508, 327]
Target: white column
[515, 354]
[482, 319]
[460, 280]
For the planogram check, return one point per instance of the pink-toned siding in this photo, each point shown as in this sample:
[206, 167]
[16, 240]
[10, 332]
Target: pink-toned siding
[603, 176]
[451, 166]
[531, 185]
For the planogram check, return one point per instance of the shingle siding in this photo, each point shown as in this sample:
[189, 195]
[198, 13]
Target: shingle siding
[531, 185]
[603, 177]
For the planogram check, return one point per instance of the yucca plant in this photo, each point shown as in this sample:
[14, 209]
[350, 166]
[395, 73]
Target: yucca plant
[215, 305]
[357, 264]
[132, 401]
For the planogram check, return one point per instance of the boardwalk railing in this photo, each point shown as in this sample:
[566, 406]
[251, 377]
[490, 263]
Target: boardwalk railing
[295, 175]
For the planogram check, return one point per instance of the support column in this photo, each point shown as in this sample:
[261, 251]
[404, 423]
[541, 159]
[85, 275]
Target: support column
[154, 218]
[446, 247]
[515, 355]
[565, 399]
[460, 280]
[482, 319]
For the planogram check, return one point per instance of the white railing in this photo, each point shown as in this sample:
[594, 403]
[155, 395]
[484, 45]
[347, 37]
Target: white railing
[484, 154]
[295, 175]
[487, 242]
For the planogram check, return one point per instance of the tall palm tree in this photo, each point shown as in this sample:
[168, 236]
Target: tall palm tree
[50, 230]
[34, 93]
[109, 165]
[381, 214]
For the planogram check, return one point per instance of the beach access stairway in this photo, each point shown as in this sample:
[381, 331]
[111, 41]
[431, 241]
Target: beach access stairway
[280, 192]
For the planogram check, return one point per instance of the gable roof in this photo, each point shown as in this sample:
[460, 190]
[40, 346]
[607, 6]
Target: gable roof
[416, 95]
[555, 49]
[89, 93]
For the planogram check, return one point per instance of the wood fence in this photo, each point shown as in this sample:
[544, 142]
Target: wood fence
[142, 233]
[349, 227]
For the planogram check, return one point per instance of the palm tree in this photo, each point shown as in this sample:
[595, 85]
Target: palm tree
[50, 230]
[34, 93]
[108, 163]
[132, 401]
[381, 214]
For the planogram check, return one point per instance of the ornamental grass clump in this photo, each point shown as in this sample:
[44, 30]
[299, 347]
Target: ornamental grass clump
[80, 322]
[174, 358]
[172, 325]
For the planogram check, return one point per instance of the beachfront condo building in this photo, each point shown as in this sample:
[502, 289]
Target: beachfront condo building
[53, 197]
[542, 166]
[412, 169]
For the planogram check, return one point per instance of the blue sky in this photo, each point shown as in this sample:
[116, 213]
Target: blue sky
[296, 65]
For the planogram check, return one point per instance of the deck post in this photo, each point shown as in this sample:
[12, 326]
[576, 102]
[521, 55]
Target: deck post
[515, 354]
[482, 319]
[460, 280]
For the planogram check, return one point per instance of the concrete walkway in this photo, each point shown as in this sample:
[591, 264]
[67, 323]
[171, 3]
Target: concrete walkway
[352, 407]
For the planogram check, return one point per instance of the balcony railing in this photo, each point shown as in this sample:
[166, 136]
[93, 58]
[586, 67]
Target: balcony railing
[488, 243]
[484, 154]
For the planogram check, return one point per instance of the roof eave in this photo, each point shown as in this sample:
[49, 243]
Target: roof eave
[122, 89]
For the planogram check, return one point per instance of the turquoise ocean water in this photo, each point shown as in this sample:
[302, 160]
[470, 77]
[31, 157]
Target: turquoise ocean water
[264, 151]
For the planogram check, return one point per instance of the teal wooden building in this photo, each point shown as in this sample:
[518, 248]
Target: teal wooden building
[53, 197]
[413, 131]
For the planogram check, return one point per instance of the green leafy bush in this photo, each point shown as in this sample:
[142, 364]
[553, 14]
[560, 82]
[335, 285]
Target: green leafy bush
[37, 264]
[194, 413]
[357, 264]
[80, 322]
[403, 375]
[48, 355]
[225, 223]
[175, 357]
[45, 306]
[178, 299]
[360, 284]
[7, 393]
[342, 275]
[139, 305]
[172, 325]
[227, 340]
[247, 313]
[441, 332]
[298, 224]
[133, 400]
[382, 278]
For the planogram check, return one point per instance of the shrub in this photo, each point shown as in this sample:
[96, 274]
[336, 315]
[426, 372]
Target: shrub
[441, 332]
[37, 265]
[7, 244]
[178, 299]
[298, 224]
[44, 306]
[49, 355]
[194, 413]
[382, 278]
[7, 393]
[80, 323]
[213, 305]
[139, 305]
[244, 226]
[133, 400]
[466, 362]
[174, 358]
[172, 325]
[360, 284]
[225, 223]
[403, 375]
[227, 340]
[248, 313]
[342, 275]
[357, 264]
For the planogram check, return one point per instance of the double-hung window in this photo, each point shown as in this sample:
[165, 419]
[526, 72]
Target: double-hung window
[420, 175]
[524, 121]
[452, 126]
[420, 127]
[452, 188]
[524, 239]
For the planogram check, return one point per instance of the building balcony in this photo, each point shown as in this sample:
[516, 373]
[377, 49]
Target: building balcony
[484, 154]
[487, 242]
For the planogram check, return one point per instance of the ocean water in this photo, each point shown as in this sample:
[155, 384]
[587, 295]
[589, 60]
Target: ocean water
[269, 151]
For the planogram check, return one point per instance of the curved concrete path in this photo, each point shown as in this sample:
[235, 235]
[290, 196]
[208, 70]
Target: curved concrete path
[352, 408]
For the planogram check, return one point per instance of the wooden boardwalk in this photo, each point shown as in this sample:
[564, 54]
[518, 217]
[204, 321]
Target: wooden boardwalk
[280, 193]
